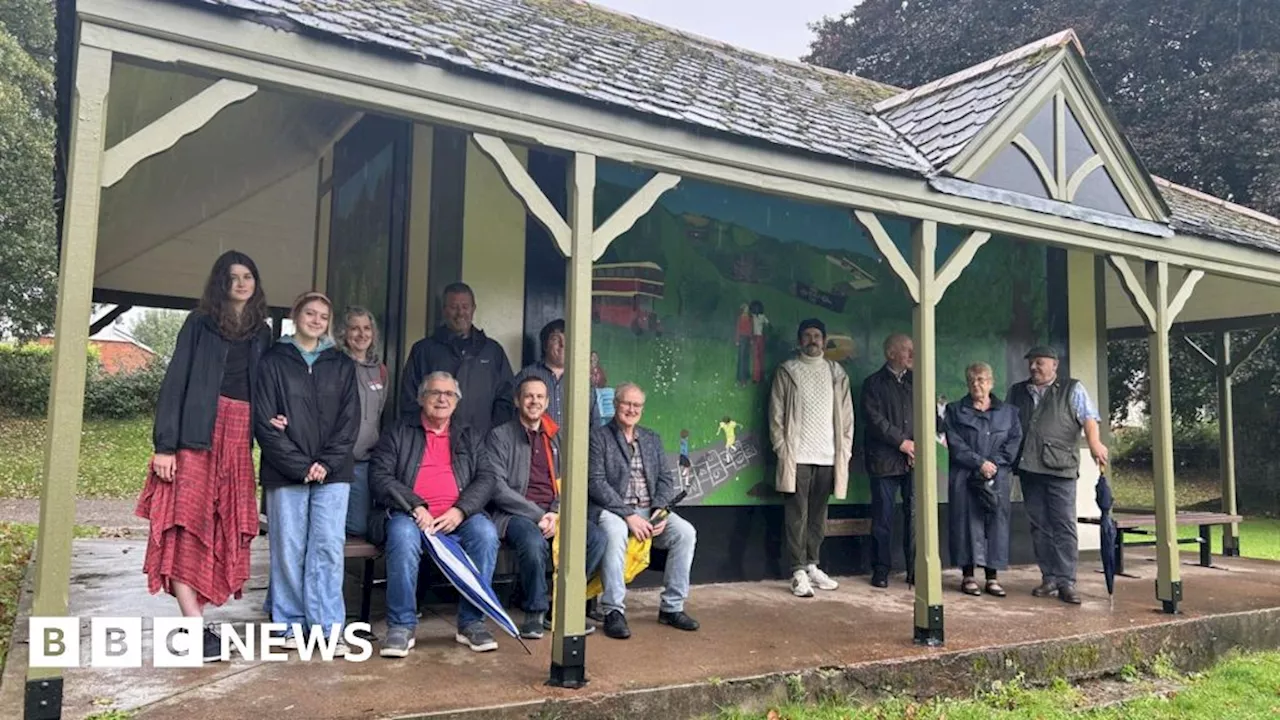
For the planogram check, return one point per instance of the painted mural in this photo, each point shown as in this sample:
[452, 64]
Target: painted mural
[699, 302]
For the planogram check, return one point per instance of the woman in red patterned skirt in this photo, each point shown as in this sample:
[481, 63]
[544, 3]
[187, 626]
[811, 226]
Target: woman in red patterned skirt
[201, 494]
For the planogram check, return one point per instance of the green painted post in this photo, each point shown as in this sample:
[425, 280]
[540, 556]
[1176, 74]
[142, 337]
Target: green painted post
[1227, 442]
[928, 563]
[70, 350]
[568, 650]
[1168, 579]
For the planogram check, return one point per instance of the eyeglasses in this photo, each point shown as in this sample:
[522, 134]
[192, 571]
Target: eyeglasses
[630, 404]
[441, 393]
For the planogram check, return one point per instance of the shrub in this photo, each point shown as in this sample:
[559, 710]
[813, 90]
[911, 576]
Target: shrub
[25, 374]
[1195, 445]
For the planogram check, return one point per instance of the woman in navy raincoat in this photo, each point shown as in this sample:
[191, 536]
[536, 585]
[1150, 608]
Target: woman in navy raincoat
[983, 435]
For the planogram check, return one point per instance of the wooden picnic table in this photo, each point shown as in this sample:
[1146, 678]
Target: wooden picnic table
[1136, 522]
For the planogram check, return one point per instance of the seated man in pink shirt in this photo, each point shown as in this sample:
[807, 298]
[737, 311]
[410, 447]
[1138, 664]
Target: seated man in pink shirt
[433, 462]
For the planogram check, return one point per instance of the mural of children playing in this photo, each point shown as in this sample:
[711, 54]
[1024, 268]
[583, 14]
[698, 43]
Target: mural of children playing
[742, 336]
[758, 323]
[686, 467]
[730, 429]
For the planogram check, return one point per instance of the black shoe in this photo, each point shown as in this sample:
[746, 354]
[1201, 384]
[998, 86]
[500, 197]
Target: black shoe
[593, 611]
[911, 579]
[1069, 594]
[615, 626]
[588, 628]
[678, 620]
[212, 646]
[880, 578]
[1046, 589]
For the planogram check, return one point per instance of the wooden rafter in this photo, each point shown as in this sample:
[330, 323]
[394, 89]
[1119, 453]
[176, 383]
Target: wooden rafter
[523, 185]
[168, 129]
[1181, 297]
[632, 210]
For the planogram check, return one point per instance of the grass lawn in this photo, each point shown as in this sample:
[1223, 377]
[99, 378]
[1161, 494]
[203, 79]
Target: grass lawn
[1245, 686]
[113, 457]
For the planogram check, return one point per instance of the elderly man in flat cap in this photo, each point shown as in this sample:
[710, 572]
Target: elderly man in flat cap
[1053, 411]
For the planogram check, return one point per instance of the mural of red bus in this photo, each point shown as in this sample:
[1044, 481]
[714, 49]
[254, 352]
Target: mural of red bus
[622, 294]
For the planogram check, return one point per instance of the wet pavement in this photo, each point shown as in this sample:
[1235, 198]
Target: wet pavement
[748, 629]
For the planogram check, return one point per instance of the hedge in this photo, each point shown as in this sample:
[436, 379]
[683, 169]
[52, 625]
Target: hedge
[25, 374]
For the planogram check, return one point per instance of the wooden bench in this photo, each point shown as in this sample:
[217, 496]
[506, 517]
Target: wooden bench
[1134, 523]
[848, 527]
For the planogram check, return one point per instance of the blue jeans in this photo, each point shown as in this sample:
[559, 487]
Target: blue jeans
[532, 555]
[679, 539]
[358, 505]
[306, 542]
[478, 537]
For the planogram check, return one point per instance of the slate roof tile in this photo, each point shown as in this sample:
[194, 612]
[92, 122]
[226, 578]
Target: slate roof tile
[623, 62]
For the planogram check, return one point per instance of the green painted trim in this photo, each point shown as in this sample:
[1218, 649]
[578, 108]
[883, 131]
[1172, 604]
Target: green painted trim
[75, 292]
[1168, 575]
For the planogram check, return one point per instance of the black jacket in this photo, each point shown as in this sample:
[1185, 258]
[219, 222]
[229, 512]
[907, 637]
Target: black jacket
[887, 417]
[395, 462]
[188, 402]
[322, 405]
[483, 372]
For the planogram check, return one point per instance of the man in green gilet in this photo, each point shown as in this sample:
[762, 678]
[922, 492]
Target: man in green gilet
[1053, 411]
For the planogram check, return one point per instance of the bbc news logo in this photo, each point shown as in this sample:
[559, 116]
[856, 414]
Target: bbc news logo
[179, 642]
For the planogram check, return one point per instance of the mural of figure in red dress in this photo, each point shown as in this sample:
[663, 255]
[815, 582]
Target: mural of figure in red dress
[758, 324]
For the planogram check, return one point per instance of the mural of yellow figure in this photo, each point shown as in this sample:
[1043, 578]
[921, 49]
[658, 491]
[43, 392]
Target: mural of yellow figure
[730, 429]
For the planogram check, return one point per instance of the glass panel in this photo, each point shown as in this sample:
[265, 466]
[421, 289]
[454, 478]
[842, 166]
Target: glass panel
[360, 238]
[1079, 148]
[1040, 132]
[1012, 170]
[700, 301]
[1099, 192]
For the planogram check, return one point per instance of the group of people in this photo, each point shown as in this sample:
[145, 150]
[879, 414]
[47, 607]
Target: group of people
[1033, 433]
[473, 453]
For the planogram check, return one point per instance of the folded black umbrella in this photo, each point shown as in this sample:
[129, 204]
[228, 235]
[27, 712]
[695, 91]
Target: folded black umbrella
[984, 491]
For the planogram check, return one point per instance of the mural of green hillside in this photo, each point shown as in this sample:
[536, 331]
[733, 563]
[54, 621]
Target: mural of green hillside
[699, 302]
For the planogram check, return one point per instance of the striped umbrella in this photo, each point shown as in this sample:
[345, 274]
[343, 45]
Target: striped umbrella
[462, 573]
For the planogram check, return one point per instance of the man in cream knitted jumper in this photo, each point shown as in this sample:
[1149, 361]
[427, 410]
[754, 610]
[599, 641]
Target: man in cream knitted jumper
[811, 428]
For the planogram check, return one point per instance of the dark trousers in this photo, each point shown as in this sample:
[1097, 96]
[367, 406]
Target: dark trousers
[883, 490]
[533, 558]
[1051, 508]
[806, 514]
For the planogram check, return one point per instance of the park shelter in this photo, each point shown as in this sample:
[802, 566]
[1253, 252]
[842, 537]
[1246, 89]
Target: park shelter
[680, 202]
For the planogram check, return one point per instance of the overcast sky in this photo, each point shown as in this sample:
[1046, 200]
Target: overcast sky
[774, 27]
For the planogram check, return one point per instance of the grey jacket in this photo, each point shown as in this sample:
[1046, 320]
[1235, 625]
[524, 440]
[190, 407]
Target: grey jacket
[371, 381]
[609, 471]
[505, 461]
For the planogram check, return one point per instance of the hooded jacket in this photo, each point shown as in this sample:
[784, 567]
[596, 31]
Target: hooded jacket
[371, 382]
[480, 365]
[188, 402]
[316, 392]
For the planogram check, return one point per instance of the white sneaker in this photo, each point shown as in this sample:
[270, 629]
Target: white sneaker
[340, 649]
[821, 579]
[800, 584]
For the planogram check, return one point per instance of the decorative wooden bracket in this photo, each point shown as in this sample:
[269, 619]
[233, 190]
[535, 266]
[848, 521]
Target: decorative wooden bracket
[171, 127]
[1143, 303]
[1246, 351]
[536, 202]
[950, 271]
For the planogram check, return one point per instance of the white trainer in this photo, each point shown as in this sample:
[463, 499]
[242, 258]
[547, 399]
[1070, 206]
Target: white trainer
[800, 586]
[821, 579]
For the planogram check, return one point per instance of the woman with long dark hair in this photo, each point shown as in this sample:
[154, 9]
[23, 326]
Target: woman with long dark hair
[200, 494]
[306, 413]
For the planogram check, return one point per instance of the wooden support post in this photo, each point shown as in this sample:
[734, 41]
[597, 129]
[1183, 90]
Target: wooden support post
[70, 351]
[926, 284]
[582, 243]
[568, 647]
[1226, 442]
[928, 562]
[1168, 578]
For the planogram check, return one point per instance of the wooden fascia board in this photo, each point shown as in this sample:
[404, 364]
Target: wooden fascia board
[226, 47]
[1001, 129]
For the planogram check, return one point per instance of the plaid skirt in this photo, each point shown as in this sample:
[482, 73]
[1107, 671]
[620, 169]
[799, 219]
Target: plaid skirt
[203, 522]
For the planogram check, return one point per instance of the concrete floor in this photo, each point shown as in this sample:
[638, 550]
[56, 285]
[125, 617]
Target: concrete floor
[748, 629]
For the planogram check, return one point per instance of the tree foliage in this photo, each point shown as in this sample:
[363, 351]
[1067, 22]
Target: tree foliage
[28, 247]
[158, 329]
[1183, 76]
